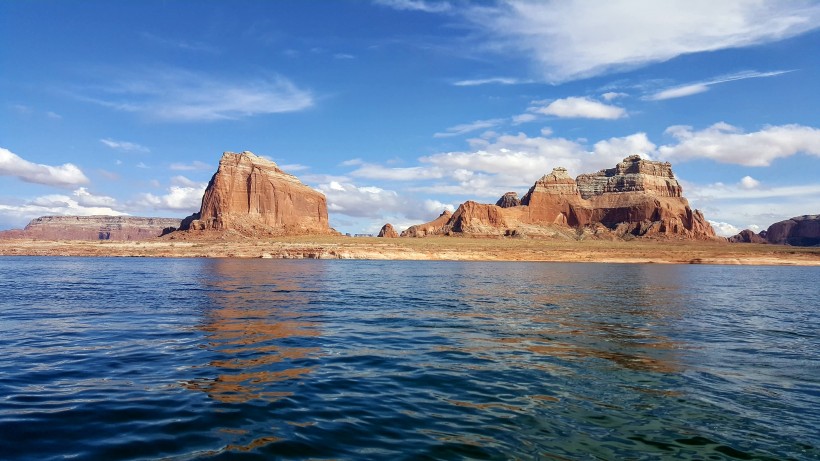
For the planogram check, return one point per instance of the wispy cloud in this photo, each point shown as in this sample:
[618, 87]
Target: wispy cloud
[572, 39]
[433, 6]
[183, 96]
[124, 146]
[700, 87]
[492, 81]
[196, 165]
[469, 127]
[179, 44]
[66, 175]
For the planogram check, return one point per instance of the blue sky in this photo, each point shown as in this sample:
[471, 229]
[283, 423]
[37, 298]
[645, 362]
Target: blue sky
[398, 109]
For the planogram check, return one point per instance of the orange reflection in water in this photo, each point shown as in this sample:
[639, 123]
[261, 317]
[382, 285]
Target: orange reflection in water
[255, 313]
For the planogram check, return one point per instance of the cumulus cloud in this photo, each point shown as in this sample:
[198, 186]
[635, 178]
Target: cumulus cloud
[572, 39]
[725, 143]
[66, 175]
[124, 146]
[581, 107]
[81, 203]
[87, 199]
[748, 182]
[700, 87]
[724, 229]
[183, 96]
[184, 195]
[372, 171]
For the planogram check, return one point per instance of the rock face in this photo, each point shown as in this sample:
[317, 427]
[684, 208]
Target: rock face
[387, 231]
[433, 227]
[636, 198]
[798, 231]
[125, 228]
[747, 236]
[252, 196]
[508, 200]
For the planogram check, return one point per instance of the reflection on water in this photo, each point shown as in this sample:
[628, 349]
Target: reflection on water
[256, 328]
[265, 359]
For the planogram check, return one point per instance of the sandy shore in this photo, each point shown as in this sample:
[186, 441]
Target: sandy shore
[432, 248]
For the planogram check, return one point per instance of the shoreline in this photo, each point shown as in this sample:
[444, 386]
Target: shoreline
[430, 249]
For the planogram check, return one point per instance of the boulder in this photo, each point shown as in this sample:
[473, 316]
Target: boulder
[387, 231]
[120, 228]
[798, 231]
[254, 197]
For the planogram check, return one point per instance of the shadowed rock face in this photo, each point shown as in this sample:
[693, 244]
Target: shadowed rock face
[121, 228]
[251, 195]
[746, 236]
[638, 197]
[798, 231]
[508, 200]
[387, 231]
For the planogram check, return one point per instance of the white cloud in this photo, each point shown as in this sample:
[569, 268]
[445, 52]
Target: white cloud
[343, 56]
[724, 229]
[434, 6]
[18, 215]
[434, 206]
[572, 39]
[54, 115]
[725, 143]
[196, 165]
[124, 146]
[361, 202]
[371, 171]
[581, 107]
[609, 96]
[87, 199]
[611, 151]
[180, 180]
[491, 81]
[66, 175]
[748, 182]
[700, 87]
[524, 118]
[182, 96]
[179, 198]
[468, 127]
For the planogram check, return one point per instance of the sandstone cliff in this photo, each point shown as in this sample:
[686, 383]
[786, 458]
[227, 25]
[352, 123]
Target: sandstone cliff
[252, 196]
[125, 228]
[508, 200]
[433, 227]
[747, 236]
[387, 231]
[798, 231]
[636, 198]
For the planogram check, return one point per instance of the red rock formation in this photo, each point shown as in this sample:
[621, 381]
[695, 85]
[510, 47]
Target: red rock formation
[638, 197]
[123, 228]
[433, 227]
[252, 196]
[387, 231]
[798, 231]
[508, 200]
[746, 236]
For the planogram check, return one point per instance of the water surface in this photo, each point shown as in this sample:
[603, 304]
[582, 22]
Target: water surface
[221, 359]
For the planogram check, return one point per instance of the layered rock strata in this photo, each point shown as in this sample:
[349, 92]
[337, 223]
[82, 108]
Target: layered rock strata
[121, 228]
[253, 196]
[508, 200]
[636, 198]
[387, 231]
[798, 231]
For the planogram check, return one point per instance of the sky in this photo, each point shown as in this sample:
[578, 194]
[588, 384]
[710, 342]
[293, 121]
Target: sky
[399, 109]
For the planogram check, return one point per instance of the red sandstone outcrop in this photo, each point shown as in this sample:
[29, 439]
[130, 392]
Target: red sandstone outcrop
[124, 228]
[798, 231]
[433, 227]
[747, 236]
[251, 195]
[508, 200]
[636, 198]
[387, 231]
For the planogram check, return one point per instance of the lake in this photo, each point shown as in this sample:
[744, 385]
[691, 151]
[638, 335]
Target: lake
[105, 358]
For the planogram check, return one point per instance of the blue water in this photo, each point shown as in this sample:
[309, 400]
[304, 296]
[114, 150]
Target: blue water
[266, 359]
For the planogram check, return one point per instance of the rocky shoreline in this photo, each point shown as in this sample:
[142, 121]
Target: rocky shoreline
[429, 249]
